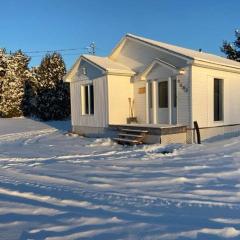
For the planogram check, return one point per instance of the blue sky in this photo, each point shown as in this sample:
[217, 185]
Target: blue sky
[64, 24]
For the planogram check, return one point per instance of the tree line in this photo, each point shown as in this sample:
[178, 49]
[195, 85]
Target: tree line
[34, 92]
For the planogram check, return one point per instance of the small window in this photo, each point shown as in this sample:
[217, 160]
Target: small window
[218, 99]
[87, 99]
[150, 94]
[163, 94]
[91, 99]
[84, 71]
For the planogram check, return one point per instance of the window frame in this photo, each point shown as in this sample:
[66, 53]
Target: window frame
[150, 94]
[163, 98]
[87, 96]
[219, 96]
[174, 92]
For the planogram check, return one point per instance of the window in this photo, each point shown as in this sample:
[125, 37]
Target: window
[218, 99]
[84, 71]
[91, 99]
[163, 94]
[174, 92]
[150, 94]
[87, 99]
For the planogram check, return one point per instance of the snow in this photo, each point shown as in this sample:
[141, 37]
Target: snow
[57, 186]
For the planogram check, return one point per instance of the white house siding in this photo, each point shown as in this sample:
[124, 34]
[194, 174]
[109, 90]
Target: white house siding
[183, 98]
[140, 101]
[120, 89]
[75, 102]
[99, 119]
[203, 100]
[202, 96]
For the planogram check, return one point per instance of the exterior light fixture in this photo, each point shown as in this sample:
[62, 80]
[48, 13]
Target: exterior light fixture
[181, 71]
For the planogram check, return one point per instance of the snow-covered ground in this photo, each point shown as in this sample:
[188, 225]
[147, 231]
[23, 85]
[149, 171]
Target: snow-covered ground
[55, 186]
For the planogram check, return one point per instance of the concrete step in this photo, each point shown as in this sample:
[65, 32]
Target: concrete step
[130, 135]
[134, 130]
[127, 141]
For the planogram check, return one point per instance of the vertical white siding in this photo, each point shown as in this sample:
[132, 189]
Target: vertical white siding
[75, 92]
[140, 102]
[120, 89]
[203, 98]
[99, 119]
[183, 99]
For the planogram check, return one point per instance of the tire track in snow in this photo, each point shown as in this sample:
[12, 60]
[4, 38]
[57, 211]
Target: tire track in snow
[74, 189]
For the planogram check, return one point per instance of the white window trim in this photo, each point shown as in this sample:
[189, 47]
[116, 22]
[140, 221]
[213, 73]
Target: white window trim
[219, 122]
[83, 104]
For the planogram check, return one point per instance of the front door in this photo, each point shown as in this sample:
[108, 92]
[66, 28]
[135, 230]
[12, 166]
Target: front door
[163, 102]
[167, 101]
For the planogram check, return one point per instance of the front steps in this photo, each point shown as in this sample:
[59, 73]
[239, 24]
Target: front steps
[128, 136]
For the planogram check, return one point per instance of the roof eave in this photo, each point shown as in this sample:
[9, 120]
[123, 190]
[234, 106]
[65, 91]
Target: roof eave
[199, 61]
[68, 76]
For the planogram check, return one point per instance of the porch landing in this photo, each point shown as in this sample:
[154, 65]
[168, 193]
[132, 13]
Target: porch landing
[160, 129]
[158, 133]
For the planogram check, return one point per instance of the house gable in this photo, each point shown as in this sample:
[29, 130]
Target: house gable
[158, 68]
[88, 71]
[84, 70]
[137, 55]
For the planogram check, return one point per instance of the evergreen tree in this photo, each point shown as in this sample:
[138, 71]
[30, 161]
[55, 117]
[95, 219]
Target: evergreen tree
[232, 50]
[3, 62]
[30, 94]
[52, 100]
[3, 67]
[13, 85]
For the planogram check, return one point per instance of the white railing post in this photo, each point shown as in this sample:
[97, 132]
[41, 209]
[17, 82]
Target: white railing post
[155, 102]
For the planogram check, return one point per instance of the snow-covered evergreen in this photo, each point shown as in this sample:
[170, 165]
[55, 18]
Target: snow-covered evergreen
[3, 67]
[12, 87]
[52, 95]
[30, 93]
[39, 91]
[3, 62]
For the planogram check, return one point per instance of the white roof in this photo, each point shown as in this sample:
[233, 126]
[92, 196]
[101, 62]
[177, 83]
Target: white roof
[108, 64]
[113, 67]
[196, 55]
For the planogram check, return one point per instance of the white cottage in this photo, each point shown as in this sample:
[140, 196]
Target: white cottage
[161, 88]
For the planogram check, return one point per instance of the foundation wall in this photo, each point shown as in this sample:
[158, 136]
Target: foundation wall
[214, 133]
